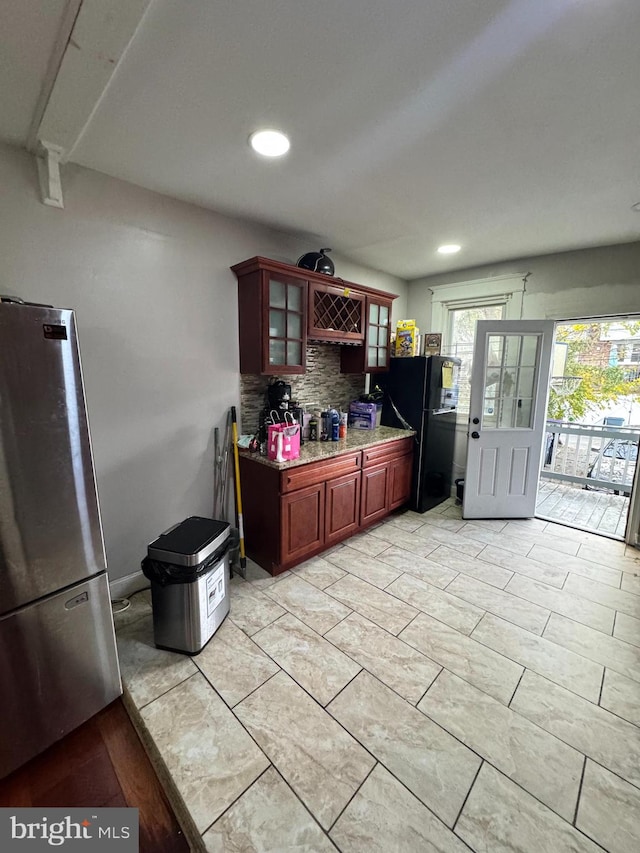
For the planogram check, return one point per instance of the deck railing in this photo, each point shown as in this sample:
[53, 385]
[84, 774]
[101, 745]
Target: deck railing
[598, 457]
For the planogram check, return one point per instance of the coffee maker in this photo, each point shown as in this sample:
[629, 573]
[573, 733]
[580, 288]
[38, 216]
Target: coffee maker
[277, 402]
[278, 396]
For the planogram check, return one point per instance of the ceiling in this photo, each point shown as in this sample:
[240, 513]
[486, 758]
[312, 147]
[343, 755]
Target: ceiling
[509, 126]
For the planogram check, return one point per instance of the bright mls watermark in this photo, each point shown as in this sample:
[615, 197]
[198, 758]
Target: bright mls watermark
[69, 829]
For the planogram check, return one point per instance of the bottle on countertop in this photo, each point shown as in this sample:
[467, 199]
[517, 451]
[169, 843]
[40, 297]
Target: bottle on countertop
[313, 428]
[335, 424]
[325, 426]
[343, 424]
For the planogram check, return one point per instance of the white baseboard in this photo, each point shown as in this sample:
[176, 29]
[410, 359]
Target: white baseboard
[123, 587]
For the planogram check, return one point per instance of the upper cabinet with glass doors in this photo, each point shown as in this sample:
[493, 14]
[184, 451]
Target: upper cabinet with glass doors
[373, 357]
[280, 306]
[272, 319]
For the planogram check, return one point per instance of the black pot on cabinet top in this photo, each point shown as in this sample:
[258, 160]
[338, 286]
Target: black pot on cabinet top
[317, 262]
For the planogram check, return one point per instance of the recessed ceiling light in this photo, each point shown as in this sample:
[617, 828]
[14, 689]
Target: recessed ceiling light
[449, 249]
[269, 143]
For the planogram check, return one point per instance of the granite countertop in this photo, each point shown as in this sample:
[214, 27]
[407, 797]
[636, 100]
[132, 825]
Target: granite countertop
[313, 451]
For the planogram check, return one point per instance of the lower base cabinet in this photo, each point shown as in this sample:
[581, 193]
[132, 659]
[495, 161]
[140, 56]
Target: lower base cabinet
[400, 475]
[375, 489]
[302, 522]
[297, 513]
[342, 508]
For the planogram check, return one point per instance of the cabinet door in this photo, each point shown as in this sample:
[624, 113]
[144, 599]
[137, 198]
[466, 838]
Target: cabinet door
[378, 334]
[336, 314]
[302, 522]
[400, 472]
[342, 509]
[284, 336]
[373, 503]
[373, 357]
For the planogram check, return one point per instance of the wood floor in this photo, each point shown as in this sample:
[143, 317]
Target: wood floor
[101, 764]
[597, 511]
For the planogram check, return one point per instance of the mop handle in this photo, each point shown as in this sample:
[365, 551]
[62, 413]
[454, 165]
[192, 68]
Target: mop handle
[236, 460]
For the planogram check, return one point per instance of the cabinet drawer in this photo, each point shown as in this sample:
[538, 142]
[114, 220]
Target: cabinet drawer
[385, 452]
[319, 472]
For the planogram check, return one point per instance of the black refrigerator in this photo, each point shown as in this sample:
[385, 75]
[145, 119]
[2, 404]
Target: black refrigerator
[422, 393]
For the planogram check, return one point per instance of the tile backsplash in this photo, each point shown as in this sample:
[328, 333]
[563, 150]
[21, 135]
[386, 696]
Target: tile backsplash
[320, 387]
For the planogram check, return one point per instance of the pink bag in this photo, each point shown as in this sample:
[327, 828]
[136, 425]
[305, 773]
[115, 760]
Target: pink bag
[284, 440]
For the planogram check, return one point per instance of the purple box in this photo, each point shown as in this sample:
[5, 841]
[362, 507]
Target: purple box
[364, 415]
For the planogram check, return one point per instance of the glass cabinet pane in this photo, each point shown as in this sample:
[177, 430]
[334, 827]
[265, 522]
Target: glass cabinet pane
[294, 325]
[373, 313]
[382, 337]
[276, 352]
[277, 294]
[384, 315]
[277, 324]
[372, 356]
[294, 300]
[372, 336]
[382, 357]
[294, 352]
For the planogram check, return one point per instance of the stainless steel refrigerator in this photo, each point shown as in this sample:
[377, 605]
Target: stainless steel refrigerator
[422, 393]
[58, 661]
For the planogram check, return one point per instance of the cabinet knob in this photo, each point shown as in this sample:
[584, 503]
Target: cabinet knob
[475, 434]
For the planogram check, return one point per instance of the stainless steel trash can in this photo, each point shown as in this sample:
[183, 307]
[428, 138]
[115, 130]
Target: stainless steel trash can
[188, 566]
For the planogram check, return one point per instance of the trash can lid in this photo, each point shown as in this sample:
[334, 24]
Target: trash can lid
[189, 542]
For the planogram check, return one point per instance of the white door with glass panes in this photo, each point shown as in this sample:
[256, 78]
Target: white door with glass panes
[507, 417]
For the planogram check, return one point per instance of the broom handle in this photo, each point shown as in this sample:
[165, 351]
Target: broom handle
[236, 460]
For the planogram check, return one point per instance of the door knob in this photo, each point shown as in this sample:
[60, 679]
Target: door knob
[476, 421]
[475, 434]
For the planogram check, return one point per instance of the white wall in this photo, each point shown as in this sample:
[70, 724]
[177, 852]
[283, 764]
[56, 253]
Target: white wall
[156, 305]
[591, 282]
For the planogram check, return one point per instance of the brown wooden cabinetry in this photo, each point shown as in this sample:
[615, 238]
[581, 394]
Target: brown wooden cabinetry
[400, 473]
[373, 357]
[336, 313]
[302, 522]
[296, 513]
[375, 488]
[280, 306]
[342, 507]
[272, 318]
[386, 479]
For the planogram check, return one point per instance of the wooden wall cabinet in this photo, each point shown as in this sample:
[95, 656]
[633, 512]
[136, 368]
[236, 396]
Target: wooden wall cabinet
[373, 357]
[272, 319]
[336, 313]
[297, 513]
[280, 306]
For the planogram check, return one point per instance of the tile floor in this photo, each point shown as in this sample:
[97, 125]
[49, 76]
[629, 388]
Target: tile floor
[430, 685]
